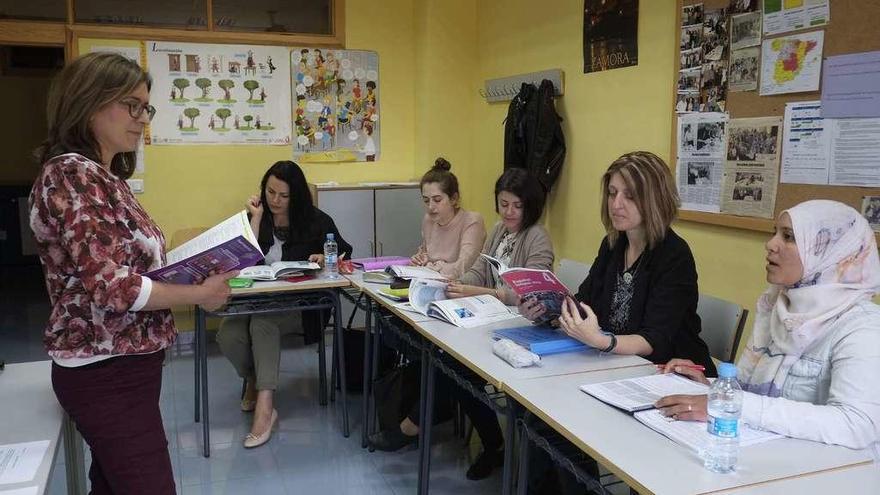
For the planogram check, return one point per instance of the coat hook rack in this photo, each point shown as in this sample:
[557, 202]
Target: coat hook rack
[506, 88]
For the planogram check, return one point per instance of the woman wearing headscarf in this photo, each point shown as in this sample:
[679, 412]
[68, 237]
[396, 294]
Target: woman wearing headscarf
[810, 366]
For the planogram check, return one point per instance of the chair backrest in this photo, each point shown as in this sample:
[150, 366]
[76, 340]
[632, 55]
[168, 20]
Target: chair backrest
[723, 323]
[572, 273]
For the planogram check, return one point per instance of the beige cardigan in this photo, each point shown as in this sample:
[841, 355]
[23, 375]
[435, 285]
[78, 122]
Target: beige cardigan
[533, 249]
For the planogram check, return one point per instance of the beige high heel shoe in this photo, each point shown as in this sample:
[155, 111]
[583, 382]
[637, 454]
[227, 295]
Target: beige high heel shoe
[251, 440]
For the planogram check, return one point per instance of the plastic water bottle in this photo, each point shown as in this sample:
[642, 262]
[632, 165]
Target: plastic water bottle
[724, 408]
[331, 270]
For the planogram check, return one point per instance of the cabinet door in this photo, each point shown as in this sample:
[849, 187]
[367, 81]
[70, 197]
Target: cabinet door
[352, 211]
[399, 215]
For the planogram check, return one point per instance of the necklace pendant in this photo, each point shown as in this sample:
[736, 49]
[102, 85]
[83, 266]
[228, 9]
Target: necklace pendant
[627, 277]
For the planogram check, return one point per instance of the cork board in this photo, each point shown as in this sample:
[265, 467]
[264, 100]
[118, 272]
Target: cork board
[852, 29]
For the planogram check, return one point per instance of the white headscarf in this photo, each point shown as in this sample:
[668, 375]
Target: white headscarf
[841, 267]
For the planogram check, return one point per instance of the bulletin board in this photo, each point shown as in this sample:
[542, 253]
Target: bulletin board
[852, 28]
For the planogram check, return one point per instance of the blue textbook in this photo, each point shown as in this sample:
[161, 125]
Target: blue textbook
[542, 340]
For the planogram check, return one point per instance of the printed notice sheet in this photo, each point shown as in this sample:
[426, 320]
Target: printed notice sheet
[751, 172]
[791, 64]
[805, 144]
[701, 139]
[851, 85]
[19, 462]
[855, 152]
[782, 16]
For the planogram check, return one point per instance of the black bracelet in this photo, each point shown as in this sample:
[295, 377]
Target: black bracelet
[612, 345]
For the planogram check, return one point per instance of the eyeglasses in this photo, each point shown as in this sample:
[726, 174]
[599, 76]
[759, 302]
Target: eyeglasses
[136, 109]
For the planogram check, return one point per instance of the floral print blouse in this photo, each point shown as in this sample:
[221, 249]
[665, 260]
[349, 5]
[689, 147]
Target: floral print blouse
[94, 240]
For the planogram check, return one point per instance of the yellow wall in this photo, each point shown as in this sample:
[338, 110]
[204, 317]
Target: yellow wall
[23, 127]
[605, 114]
[191, 186]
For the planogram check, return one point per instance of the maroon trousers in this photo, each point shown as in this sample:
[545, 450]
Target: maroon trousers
[115, 404]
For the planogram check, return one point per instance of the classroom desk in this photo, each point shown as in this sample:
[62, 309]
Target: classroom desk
[269, 298]
[648, 461]
[32, 413]
[863, 479]
[473, 348]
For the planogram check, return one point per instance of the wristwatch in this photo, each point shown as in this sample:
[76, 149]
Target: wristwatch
[612, 345]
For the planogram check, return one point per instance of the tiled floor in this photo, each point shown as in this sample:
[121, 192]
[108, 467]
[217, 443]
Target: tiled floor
[306, 455]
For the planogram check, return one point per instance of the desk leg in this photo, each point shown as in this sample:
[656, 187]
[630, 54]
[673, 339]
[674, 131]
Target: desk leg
[196, 371]
[426, 412]
[322, 368]
[74, 458]
[509, 434]
[522, 484]
[374, 373]
[339, 344]
[368, 384]
[203, 365]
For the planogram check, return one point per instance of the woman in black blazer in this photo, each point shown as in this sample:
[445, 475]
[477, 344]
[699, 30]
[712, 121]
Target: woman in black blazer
[641, 294]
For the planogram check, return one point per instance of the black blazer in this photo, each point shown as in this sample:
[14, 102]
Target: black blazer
[304, 240]
[664, 303]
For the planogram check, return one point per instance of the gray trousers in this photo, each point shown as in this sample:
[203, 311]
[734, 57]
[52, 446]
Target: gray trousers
[253, 345]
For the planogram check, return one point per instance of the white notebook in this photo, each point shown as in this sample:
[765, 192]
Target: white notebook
[693, 434]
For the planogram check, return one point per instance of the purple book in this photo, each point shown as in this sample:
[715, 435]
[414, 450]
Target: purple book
[229, 245]
[380, 263]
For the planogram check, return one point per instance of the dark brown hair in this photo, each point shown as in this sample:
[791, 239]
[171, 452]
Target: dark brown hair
[521, 183]
[80, 90]
[649, 180]
[440, 173]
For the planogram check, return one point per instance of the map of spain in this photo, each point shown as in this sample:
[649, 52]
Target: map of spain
[790, 57]
[791, 64]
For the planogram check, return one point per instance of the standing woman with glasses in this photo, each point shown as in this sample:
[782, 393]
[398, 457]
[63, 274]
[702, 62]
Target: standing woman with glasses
[109, 325]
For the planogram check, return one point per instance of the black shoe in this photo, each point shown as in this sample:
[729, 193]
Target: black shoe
[485, 463]
[392, 440]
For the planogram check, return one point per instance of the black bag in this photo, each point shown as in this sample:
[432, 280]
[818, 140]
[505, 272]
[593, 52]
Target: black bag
[393, 394]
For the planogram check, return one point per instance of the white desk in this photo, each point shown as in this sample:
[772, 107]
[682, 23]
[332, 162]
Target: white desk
[651, 463]
[32, 413]
[863, 479]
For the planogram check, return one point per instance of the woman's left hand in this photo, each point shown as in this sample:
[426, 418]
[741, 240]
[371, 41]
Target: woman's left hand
[317, 258]
[684, 407]
[457, 289]
[584, 330]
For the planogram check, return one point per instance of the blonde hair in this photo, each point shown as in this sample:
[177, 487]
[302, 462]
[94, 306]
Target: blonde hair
[81, 89]
[649, 179]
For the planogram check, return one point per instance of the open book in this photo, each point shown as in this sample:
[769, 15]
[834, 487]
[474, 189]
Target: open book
[428, 297]
[279, 269]
[412, 272]
[529, 282]
[639, 394]
[229, 245]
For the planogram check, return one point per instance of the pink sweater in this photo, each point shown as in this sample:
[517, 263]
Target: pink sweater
[453, 248]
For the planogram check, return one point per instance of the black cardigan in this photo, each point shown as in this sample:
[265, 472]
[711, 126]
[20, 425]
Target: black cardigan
[664, 303]
[305, 240]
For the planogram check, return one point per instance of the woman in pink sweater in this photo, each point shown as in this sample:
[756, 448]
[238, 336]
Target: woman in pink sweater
[451, 237]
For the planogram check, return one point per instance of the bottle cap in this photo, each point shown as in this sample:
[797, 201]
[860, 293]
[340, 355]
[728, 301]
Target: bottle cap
[330, 236]
[727, 370]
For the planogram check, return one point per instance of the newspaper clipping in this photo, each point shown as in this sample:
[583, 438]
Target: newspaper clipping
[751, 172]
[700, 158]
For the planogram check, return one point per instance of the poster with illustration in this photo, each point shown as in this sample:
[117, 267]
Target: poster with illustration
[219, 94]
[336, 105]
[610, 34]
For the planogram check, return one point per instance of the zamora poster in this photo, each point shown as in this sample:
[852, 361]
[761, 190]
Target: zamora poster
[610, 34]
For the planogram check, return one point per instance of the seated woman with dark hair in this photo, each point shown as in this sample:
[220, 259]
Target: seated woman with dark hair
[640, 296]
[517, 240]
[293, 230]
[809, 367]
